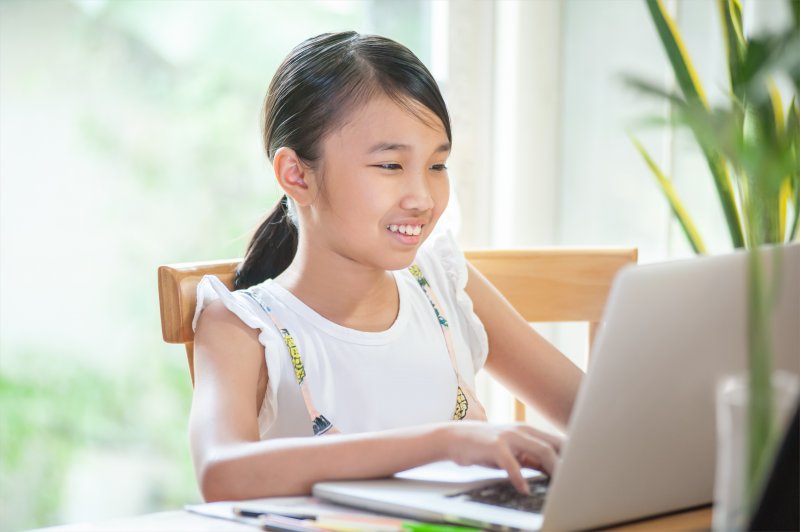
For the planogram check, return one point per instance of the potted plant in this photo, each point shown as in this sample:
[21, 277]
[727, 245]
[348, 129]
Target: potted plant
[752, 149]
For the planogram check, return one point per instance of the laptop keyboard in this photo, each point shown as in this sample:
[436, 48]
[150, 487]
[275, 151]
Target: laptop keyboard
[504, 494]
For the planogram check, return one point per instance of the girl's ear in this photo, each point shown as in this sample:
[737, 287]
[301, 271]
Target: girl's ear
[291, 174]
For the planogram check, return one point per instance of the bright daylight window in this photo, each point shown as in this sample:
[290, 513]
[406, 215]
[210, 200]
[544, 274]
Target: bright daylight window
[130, 138]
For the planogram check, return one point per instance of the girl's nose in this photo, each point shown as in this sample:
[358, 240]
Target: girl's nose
[418, 195]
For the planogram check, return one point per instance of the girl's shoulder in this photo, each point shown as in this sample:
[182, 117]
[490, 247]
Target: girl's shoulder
[244, 304]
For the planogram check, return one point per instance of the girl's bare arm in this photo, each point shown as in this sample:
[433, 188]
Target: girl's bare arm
[524, 362]
[232, 463]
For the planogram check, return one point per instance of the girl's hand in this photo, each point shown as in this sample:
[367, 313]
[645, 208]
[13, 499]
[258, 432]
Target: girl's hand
[508, 447]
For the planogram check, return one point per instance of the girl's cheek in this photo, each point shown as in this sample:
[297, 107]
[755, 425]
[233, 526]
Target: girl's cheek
[443, 195]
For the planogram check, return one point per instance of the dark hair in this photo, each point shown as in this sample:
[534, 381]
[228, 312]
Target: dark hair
[313, 90]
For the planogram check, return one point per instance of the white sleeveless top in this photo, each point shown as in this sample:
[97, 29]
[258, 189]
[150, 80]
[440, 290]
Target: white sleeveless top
[364, 381]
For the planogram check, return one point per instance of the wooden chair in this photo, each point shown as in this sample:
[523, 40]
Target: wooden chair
[544, 285]
[554, 285]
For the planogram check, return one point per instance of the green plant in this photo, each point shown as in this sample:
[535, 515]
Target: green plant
[753, 155]
[750, 148]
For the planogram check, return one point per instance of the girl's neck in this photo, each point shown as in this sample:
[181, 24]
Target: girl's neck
[345, 292]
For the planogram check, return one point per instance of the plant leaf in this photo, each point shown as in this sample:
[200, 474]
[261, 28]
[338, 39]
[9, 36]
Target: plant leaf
[775, 117]
[760, 419]
[651, 89]
[689, 229]
[685, 73]
[783, 202]
[793, 137]
[735, 44]
[694, 95]
[766, 54]
[768, 160]
[775, 130]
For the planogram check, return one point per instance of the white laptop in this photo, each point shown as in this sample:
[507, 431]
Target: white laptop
[642, 433]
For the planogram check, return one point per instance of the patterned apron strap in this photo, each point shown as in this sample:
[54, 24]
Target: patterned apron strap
[467, 404]
[319, 422]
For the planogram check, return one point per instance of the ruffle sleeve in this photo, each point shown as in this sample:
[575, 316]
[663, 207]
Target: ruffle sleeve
[445, 251]
[210, 288]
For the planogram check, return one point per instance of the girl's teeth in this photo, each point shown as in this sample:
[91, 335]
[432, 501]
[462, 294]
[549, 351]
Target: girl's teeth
[410, 230]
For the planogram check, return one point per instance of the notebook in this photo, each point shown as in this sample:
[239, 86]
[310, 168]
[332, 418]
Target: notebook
[642, 432]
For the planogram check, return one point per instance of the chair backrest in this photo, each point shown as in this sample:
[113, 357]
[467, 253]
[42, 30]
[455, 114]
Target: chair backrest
[177, 297]
[544, 285]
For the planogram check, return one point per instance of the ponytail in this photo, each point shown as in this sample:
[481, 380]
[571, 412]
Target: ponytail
[271, 250]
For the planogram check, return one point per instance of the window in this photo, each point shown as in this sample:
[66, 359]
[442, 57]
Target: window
[130, 138]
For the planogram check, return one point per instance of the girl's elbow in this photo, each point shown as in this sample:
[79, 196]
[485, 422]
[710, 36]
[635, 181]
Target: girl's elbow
[213, 479]
[226, 474]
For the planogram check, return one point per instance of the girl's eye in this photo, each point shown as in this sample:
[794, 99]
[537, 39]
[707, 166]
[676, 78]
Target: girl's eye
[389, 166]
[439, 167]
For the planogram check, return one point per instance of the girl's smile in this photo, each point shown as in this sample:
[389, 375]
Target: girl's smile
[407, 234]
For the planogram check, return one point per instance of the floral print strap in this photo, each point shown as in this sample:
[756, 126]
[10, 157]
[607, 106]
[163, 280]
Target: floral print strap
[467, 404]
[320, 423]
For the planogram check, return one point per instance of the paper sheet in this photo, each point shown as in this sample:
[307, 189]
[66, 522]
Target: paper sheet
[287, 506]
[451, 472]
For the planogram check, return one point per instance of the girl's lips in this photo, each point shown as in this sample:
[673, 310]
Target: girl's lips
[403, 238]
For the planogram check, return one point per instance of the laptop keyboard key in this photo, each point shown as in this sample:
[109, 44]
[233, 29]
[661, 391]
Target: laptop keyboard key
[505, 495]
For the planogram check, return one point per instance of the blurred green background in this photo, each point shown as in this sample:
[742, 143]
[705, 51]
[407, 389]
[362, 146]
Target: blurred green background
[129, 138]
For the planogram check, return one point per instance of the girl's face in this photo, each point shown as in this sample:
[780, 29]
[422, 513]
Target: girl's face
[385, 184]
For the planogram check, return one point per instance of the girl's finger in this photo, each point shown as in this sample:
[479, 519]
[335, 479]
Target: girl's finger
[540, 455]
[536, 452]
[507, 461]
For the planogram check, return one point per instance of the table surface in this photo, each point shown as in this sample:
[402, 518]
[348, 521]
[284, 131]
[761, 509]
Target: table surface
[181, 521]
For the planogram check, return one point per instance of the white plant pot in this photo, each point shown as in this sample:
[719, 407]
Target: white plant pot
[731, 510]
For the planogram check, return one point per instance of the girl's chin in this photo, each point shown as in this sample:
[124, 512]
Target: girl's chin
[400, 261]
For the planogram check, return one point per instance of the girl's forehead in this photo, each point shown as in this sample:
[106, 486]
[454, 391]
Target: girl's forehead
[382, 116]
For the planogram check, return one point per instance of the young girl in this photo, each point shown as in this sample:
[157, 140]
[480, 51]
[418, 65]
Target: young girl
[351, 346]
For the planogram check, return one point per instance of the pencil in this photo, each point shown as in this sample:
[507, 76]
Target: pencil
[288, 512]
[279, 523]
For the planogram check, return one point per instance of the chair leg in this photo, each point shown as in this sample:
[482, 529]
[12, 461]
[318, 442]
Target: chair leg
[594, 326]
[519, 411]
[190, 359]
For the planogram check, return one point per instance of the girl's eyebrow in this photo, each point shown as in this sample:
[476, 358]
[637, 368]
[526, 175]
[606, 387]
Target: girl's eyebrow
[443, 148]
[393, 146]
